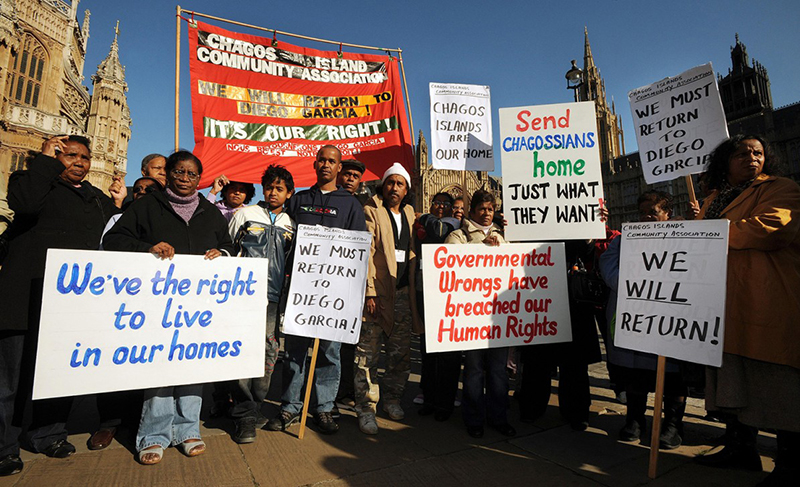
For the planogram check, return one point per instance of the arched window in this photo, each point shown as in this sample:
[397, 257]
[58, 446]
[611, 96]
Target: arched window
[17, 161]
[27, 70]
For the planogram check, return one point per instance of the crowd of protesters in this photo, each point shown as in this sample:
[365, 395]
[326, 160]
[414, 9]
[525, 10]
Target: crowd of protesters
[51, 205]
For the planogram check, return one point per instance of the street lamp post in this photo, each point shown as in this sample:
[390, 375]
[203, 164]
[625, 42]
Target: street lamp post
[574, 79]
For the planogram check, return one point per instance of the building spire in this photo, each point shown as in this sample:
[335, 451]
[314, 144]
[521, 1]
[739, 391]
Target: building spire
[588, 60]
[111, 68]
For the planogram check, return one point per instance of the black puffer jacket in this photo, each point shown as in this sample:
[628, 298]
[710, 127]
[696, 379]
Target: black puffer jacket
[151, 219]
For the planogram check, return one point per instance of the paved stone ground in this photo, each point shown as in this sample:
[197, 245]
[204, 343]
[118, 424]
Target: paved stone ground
[417, 451]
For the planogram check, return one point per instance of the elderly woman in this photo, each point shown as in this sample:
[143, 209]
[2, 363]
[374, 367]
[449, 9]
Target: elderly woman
[54, 208]
[483, 368]
[390, 218]
[175, 221]
[758, 385]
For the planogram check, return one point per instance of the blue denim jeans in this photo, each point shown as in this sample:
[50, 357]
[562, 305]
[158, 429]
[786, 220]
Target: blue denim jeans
[170, 416]
[485, 368]
[326, 374]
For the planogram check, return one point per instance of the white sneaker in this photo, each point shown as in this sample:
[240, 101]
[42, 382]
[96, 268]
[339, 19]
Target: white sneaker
[394, 411]
[420, 399]
[367, 423]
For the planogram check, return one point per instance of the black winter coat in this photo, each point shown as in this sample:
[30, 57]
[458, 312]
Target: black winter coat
[151, 219]
[49, 214]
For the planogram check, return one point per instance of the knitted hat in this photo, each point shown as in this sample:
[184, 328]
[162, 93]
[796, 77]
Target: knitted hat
[397, 168]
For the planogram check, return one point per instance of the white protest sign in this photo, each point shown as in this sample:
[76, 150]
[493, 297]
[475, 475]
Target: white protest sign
[119, 321]
[329, 281]
[552, 185]
[671, 297]
[461, 127]
[679, 121]
[478, 296]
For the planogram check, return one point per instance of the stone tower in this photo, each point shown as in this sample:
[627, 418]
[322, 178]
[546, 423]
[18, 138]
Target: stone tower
[609, 124]
[109, 124]
[746, 89]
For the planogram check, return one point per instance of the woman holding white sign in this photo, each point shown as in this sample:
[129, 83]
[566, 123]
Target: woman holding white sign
[487, 367]
[758, 385]
[176, 221]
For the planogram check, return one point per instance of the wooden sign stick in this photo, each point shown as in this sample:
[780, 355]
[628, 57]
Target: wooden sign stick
[660, 371]
[657, 407]
[309, 385]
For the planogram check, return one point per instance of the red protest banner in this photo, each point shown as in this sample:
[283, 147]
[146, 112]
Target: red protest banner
[256, 102]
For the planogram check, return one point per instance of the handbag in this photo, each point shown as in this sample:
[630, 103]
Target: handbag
[586, 287]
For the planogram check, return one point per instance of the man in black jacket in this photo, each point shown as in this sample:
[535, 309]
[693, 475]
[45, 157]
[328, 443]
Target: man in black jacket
[330, 206]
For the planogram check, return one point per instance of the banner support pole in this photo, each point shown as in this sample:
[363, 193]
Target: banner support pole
[657, 410]
[177, 74]
[408, 100]
[309, 385]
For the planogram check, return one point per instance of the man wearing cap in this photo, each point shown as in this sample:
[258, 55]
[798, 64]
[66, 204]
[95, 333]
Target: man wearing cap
[349, 179]
[389, 219]
[351, 174]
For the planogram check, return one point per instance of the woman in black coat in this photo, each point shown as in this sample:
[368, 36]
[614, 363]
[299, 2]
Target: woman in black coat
[175, 221]
[54, 208]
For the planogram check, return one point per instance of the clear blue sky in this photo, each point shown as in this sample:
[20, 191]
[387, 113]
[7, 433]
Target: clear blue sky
[521, 49]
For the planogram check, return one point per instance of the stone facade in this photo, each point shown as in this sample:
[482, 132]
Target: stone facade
[42, 54]
[429, 181]
[609, 125]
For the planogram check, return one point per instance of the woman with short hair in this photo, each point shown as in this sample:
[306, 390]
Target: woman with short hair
[175, 221]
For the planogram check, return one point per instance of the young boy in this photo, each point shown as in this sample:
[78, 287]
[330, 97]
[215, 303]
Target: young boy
[263, 230]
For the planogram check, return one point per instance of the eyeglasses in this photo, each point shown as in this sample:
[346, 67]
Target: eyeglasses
[179, 173]
[443, 204]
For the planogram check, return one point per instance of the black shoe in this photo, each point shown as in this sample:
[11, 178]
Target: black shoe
[245, 430]
[59, 449]
[670, 438]
[743, 457]
[505, 429]
[9, 465]
[261, 420]
[442, 415]
[325, 423]
[283, 420]
[579, 425]
[475, 431]
[632, 431]
[426, 410]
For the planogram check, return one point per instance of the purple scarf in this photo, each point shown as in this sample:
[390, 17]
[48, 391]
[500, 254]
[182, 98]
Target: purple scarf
[184, 206]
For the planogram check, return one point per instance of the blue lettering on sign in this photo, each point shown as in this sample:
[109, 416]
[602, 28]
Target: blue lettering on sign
[73, 285]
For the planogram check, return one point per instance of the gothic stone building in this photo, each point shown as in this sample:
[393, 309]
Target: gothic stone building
[430, 181]
[42, 53]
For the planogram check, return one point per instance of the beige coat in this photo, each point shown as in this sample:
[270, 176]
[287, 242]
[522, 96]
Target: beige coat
[382, 274]
[469, 233]
[762, 319]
